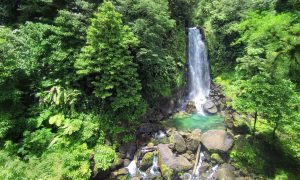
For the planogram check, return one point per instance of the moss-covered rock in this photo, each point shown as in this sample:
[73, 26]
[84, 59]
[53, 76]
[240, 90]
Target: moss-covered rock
[147, 161]
[240, 124]
[166, 172]
[216, 158]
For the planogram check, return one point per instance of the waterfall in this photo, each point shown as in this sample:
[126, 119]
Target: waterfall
[199, 85]
[154, 171]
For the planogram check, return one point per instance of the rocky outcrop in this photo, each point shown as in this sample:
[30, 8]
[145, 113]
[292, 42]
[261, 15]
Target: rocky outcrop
[178, 141]
[217, 140]
[169, 163]
[210, 108]
[191, 107]
[193, 140]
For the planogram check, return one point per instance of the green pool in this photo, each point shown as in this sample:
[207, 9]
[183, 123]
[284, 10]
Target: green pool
[196, 121]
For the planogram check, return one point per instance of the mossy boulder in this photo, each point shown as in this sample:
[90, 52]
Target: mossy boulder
[216, 158]
[241, 125]
[169, 164]
[178, 142]
[147, 161]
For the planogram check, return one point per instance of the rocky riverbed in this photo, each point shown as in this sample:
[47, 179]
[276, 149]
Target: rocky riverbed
[167, 153]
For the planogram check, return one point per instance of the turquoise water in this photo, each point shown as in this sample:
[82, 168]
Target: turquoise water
[196, 121]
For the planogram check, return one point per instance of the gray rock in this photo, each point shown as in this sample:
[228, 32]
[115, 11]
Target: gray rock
[191, 107]
[217, 140]
[126, 162]
[178, 142]
[224, 174]
[169, 163]
[194, 140]
[210, 107]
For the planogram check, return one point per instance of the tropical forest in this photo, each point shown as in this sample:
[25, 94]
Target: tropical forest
[149, 89]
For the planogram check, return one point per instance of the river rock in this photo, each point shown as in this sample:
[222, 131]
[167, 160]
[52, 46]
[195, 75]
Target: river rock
[169, 163]
[191, 107]
[217, 140]
[178, 142]
[193, 140]
[119, 173]
[147, 161]
[225, 172]
[210, 107]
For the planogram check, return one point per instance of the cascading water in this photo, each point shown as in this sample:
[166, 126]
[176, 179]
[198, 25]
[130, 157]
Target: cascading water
[199, 85]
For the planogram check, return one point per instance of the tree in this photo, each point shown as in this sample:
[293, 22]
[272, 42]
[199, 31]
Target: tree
[107, 59]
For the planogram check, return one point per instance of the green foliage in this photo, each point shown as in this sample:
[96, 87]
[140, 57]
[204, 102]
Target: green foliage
[245, 156]
[161, 55]
[103, 156]
[107, 59]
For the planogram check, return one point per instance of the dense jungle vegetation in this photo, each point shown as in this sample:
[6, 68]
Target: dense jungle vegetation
[78, 76]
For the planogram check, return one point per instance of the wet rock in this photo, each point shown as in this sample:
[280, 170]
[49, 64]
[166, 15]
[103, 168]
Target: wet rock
[147, 161]
[178, 142]
[224, 174]
[119, 174]
[126, 162]
[205, 166]
[216, 158]
[194, 140]
[210, 107]
[169, 163]
[217, 140]
[191, 107]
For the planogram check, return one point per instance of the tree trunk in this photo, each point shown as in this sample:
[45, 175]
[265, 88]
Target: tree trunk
[255, 120]
[274, 130]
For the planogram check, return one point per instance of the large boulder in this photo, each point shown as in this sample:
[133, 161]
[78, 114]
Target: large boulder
[193, 140]
[217, 140]
[210, 107]
[191, 107]
[169, 163]
[178, 142]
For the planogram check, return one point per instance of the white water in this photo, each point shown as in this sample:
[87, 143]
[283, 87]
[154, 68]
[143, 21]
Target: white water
[214, 170]
[197, 173]
[159, 135]
[154, 171]
[132, 168]
[199, 85]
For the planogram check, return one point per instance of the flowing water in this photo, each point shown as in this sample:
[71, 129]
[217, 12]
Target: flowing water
[199, 74]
